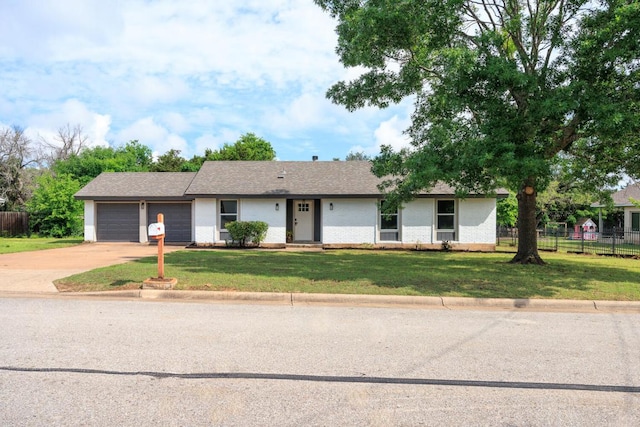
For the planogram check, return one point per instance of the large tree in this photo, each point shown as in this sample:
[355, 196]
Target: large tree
[91, 162]
[67, 142]
[501, 89]
[17, 167]
[171, 161]
[247, 147]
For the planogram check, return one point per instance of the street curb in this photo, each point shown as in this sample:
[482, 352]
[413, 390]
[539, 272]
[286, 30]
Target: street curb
[450, 303]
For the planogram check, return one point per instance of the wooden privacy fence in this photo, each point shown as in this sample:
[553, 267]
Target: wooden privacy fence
[14, 224]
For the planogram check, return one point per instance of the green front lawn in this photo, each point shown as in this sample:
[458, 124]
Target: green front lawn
[26, 244]
[478, 275]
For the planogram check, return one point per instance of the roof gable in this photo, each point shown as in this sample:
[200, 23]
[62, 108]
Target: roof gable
[622, 198]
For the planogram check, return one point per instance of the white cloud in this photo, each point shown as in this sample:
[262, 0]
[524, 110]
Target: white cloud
[149, 90]
[175, 122]
[390, 132]
[100, 129]
[214, 142]
[35, 28]
[274, 41]
[304, 112]
[73, 113]
[154, 136]
[191, 74]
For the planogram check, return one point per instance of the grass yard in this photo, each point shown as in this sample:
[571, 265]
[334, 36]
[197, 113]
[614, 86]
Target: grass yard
[26, 244]
[477, 275]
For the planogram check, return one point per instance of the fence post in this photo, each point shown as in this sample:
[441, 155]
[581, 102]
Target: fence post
[613, 241]
[557, 231]
[582, 238]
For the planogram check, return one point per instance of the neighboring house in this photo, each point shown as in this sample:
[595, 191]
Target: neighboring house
[622, 199]
[333, 204]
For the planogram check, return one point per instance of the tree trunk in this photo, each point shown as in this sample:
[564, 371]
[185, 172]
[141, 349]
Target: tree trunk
[527, 233]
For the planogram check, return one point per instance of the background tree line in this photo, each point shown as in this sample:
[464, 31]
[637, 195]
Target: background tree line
[41, 177]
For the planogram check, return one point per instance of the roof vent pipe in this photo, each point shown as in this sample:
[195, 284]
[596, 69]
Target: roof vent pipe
[314, 158]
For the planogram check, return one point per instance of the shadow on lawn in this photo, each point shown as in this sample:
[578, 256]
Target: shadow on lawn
[416, 273]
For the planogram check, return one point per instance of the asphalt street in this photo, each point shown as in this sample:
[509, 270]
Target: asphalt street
[145, 362]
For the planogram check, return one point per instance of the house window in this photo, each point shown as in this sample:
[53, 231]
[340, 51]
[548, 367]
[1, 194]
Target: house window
[389, 224]
[635, 221]
[446, 220]
[228, 212]
[303, 207]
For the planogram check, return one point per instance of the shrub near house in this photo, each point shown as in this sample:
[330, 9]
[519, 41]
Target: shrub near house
[245, 232]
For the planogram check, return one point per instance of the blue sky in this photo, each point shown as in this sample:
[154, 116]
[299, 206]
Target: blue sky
[187, 75]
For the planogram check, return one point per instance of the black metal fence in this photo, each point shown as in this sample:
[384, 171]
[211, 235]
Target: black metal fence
[615, 241]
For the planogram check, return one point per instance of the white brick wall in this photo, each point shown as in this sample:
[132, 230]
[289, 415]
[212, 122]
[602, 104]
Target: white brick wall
[417, 221]
[350, 221]
[627, 217]
[477, 221]
[265, 210]
[90, 221]
[204, 220]
[143, 227]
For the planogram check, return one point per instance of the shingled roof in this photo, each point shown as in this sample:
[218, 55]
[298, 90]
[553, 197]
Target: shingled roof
[290, 179]
[137, 185]
[622, 197]
[247, 179]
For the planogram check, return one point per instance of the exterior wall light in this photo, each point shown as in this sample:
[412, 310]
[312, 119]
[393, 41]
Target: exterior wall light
[142, 206]
[277, 206]
[331, 206]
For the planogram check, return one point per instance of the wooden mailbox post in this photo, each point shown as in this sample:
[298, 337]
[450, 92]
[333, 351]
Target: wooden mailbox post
[157, 232]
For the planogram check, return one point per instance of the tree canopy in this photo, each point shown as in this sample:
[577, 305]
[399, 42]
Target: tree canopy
[91, 162]
[502, 90]
[247, 147]
[357, 155]
[53, 210]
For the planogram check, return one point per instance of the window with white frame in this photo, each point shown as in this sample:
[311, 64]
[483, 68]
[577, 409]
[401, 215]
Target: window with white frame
[446, 220]
[389, 224]
[228, 213]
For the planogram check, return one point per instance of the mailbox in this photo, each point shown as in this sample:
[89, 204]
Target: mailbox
[156, 229]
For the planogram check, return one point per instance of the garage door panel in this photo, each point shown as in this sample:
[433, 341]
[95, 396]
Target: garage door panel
[177, 220]
[118, 222]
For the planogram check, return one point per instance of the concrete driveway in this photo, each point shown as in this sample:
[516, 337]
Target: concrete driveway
[36, 271]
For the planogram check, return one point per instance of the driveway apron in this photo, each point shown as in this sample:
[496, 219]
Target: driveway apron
[36, 271]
